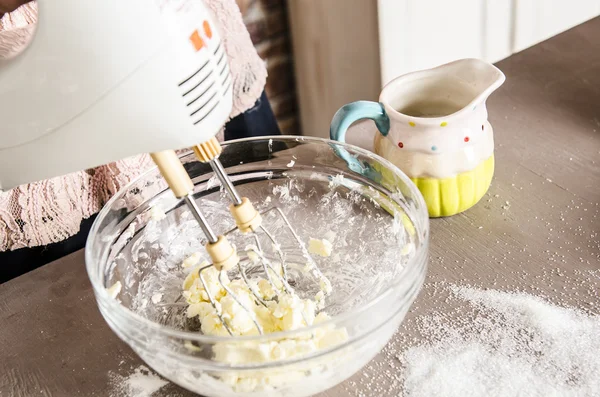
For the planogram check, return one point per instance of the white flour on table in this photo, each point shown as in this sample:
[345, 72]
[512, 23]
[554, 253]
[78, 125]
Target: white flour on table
[490, 343]
[142, 382]
[516, 345]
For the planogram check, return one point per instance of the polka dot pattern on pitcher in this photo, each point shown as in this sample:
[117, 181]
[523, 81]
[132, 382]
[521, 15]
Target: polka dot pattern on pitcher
[456, 137]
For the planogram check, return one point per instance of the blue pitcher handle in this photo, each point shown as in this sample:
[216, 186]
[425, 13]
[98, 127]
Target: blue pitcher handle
[345, 117]
[352, 112]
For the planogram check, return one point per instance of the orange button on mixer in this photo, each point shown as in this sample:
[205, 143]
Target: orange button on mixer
[197, 40]
[207, 29]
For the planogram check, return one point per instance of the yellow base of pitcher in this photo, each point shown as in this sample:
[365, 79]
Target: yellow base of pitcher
[450, 196]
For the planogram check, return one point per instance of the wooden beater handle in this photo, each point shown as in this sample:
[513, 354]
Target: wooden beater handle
[172, 170]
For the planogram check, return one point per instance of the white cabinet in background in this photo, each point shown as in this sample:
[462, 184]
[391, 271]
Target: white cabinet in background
[419, 34]
[534, 23]
[346, 50]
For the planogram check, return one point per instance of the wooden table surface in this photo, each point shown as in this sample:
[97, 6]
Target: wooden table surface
[541, 214]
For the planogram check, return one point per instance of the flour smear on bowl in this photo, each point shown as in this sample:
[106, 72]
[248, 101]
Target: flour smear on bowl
[493, 344]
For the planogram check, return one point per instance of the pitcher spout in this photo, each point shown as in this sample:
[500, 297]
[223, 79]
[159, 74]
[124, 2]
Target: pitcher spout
[443, 91]
[480, 77]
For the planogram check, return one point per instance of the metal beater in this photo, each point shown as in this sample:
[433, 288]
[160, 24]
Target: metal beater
[248, 222]
[173, 70]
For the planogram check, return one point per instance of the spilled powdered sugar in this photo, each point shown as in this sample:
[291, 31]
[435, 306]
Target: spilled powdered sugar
[142, 382]
[489, 343]
[516, 345]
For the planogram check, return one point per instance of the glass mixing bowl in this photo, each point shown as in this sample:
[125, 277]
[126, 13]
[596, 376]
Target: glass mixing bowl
[374, 215]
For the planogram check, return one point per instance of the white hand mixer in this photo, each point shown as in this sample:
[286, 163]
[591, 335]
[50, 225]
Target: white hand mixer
[104, 80]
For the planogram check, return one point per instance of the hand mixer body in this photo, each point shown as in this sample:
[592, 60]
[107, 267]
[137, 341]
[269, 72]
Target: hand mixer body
[104, 80]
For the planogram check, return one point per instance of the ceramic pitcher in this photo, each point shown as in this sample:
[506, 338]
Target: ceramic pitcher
[433, 125]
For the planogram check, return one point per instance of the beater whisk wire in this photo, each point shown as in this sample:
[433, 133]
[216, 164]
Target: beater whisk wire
[249, 221]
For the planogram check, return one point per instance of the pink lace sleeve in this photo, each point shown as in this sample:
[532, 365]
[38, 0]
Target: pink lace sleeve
[248, 69]
[24, 15]
[52, 210]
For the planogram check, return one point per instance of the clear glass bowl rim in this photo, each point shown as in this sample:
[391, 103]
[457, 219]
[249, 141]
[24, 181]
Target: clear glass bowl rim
[113, 305]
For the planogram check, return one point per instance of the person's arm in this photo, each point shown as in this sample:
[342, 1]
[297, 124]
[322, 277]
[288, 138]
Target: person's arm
[243, 5]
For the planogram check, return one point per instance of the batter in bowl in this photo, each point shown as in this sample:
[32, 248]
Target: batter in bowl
[283, 312]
